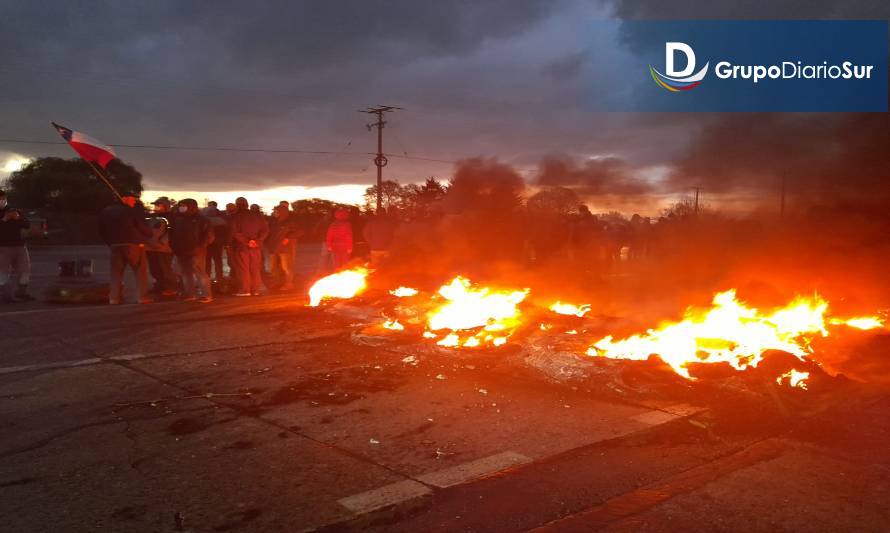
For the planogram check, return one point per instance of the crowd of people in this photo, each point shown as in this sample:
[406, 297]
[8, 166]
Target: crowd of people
[182, 250]
[188, 250]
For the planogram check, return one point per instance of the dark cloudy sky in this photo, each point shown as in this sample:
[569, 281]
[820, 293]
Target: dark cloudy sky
[495, 78]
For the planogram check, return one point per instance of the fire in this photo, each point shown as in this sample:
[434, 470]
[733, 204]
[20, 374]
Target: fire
[492, 313]
[794, 379]
[864, 322]
[570, 309]
[450, 341]
[728, 332]
[344, 284]
[403, 292]
[393, 324]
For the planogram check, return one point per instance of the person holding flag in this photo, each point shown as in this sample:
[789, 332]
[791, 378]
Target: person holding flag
[124, 229]
[122, 225]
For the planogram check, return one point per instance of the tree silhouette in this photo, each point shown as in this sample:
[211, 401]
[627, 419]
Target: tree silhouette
[69, 185]
[554, 201]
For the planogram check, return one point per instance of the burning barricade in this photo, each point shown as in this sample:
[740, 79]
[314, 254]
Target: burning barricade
[463, 315]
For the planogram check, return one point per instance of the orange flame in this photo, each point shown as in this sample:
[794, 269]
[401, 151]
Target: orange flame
[393, 324]
[727, 332]
[794, 379]
[403, 292]
[570, 309]
[469, 308]
[344, 284]
[863, 322]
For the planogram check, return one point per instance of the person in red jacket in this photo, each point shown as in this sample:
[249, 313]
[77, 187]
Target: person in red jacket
[339, 238]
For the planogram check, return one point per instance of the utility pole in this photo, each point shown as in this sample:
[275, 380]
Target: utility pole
[697, 191]
[380, 160]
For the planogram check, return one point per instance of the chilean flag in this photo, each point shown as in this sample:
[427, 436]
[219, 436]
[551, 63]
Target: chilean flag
[89, 149]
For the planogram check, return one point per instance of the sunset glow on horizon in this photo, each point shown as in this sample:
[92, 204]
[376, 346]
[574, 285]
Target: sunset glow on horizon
[352, 194]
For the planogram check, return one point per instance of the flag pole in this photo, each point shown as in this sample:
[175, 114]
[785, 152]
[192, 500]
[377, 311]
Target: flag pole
[105, 180]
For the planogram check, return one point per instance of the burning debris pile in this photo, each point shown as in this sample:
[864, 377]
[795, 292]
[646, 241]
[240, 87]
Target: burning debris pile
[471, 316]
[463, 315]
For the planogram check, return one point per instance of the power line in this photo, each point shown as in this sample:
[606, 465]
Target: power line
[197, 148]
[248, 150]
[235, 149]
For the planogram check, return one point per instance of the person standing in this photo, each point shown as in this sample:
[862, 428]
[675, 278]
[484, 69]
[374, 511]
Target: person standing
[249, 231]
[124, 229]
[158, 251]
[379, 233]
[190, 235]
[214, 265]
[229, 215]
[339, 239]
[282, 245]
[15, 263]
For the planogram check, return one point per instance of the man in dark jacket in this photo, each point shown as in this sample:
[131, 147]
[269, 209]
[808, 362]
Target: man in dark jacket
[124, 229]
[190, 234]
[249, 231]
[282, 244]
[15, 263]
[158, 251]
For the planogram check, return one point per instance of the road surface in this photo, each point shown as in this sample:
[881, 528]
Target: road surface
[261, 414]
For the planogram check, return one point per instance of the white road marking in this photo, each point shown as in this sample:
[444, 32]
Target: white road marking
[80, 362]
[136, 357]
[411, 490]
[474, 469]
[407, 490]
[50, 366]
[385, 496]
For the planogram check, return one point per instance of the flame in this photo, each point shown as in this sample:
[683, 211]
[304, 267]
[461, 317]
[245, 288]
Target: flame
[794, 379]
[344, 284]
[451, 340]
[728, 332]
[470, 308]
[863, 322]
[403, 292]
[393, 324]
[570, 309]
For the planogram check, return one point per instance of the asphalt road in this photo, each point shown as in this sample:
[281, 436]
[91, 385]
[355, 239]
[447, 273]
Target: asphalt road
[263, 415]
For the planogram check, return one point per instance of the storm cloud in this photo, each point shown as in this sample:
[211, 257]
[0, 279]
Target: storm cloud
[493, 79]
